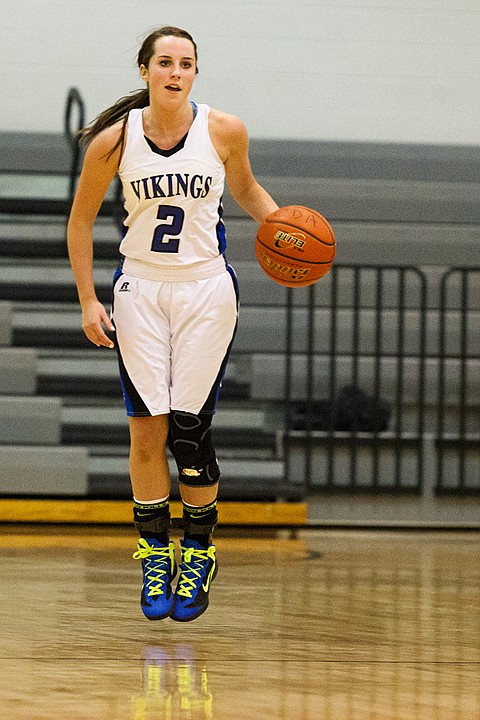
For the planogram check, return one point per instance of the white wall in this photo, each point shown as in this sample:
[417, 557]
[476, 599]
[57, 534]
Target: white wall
[371, 70]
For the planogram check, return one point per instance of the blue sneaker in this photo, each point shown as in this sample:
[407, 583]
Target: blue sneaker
[197, 571]
[159, 568]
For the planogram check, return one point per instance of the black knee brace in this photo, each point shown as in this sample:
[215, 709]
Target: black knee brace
[190, 443]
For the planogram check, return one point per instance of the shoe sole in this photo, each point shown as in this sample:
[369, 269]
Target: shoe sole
[189, 619]
[158, 617]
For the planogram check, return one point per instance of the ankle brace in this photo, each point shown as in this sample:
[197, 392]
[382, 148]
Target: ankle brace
[200, 520]
[152, 519]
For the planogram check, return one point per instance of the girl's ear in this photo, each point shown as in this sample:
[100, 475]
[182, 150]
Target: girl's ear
[144, 73]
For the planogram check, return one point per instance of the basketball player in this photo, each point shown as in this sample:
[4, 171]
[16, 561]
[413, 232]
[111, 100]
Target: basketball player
[175, 300]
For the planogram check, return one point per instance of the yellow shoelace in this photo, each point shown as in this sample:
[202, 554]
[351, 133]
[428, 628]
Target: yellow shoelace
[191, 569]
[154, 575]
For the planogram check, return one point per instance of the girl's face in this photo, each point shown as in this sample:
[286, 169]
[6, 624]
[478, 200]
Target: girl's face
[171, 69]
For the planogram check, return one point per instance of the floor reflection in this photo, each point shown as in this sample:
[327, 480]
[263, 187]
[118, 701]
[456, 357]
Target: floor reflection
[174, 686]
[328, 626]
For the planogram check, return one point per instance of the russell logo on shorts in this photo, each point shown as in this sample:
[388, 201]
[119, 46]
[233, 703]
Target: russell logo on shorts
[124, 287]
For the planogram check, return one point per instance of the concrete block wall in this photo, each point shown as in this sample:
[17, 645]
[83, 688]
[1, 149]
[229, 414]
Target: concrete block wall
[382, 70]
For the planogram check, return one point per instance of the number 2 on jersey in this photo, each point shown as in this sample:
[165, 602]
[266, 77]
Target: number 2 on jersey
[165, 237]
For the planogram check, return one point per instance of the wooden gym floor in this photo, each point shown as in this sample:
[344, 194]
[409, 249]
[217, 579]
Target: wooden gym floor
[320, 626]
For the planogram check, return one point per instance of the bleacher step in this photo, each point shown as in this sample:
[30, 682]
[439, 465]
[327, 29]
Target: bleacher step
[232, 427]
[30, 420]
[241, 478]
[90, 373]
[43, 470]
[362, 199]
[48, 284]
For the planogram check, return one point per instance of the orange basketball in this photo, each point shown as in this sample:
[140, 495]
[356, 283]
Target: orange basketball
[295, 246]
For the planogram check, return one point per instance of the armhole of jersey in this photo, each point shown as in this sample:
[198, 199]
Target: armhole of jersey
[214, 149]
[124, 144]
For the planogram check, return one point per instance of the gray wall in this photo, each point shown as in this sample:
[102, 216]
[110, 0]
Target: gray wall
[355, 70]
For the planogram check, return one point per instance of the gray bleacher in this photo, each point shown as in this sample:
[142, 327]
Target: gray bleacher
[391, 205]
[43, 471]
[6, 309]
[18, 368]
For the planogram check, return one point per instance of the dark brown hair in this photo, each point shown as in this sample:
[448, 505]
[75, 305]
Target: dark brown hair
[138, 99]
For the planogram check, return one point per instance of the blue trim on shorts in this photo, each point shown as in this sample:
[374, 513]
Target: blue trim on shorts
[233, 275]
[134, 404]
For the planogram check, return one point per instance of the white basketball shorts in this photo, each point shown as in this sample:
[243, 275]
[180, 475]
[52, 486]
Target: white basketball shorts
[173, 340]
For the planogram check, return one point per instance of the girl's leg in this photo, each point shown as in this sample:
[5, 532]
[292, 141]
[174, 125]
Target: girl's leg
[149, 471]
[150, 477]
[199, 513]
[194, 453]
[198, 496]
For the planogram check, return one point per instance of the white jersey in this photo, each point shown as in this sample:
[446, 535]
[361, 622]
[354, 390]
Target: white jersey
[173, 200]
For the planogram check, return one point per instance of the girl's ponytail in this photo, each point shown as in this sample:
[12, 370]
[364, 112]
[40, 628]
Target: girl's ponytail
[115, 113]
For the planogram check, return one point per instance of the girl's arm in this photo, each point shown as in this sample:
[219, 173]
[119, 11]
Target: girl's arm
[231, 141]
[97, 173]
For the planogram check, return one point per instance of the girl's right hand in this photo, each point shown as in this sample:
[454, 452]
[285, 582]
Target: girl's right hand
[94, 318]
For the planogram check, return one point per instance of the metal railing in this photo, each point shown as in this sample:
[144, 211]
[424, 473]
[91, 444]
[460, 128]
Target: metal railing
[118, 210]
[74, 120]
[74, 110]
[366, 349]
[458, 428]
